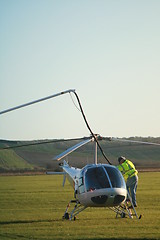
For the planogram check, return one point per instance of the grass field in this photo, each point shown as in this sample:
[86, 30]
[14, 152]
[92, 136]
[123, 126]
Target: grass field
[31, 207]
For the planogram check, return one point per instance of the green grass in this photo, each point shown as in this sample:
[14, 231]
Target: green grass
[31, 207]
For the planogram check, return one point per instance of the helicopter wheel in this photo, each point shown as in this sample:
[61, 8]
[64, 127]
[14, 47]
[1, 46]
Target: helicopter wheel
[74, 218]
[123, 215]
[66, 216]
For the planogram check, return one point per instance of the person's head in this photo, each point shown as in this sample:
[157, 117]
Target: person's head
[121, 159]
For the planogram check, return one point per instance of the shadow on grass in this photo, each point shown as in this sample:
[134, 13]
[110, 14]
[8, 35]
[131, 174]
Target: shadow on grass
[9, 236]
[120, 238]
[18, 236]
[28, 221]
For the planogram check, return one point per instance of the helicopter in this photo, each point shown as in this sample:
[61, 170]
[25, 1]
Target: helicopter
[95, 185]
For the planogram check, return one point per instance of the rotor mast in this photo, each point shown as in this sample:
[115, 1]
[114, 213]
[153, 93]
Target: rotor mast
[95, 154]
[96, 138]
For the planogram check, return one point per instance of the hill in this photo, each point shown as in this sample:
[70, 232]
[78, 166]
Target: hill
[39, 157]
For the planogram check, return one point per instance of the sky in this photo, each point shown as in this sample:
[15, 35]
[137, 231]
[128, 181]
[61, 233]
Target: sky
[107, 50]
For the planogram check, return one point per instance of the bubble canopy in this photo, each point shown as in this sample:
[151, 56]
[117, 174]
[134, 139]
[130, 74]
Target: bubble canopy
[102, 176]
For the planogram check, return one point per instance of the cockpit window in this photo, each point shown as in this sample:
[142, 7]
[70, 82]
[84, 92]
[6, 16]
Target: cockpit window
[116, 178]
[96, 178]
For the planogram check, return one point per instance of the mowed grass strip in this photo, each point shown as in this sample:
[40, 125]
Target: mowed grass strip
[31, 207]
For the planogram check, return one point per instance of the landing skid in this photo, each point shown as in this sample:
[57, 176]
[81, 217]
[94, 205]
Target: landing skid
[122, 211]
[126, 210]
[76, 210]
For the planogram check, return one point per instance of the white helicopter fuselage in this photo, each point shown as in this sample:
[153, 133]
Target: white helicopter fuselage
[97, 185]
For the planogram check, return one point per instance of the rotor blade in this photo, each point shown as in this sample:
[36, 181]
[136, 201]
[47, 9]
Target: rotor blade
[36, 101]
[69, 150]
[133, 141]
[42, 142]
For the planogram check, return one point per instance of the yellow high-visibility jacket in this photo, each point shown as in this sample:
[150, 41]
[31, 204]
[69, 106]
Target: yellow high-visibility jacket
[127, 169]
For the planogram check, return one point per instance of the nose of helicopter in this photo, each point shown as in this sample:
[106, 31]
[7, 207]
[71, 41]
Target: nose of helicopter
[105, 197]
[109, 200]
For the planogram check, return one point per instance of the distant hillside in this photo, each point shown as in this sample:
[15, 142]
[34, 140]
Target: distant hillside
[10, 161]
[39, 157]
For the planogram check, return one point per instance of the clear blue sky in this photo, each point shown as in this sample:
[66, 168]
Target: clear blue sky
[108, 50]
